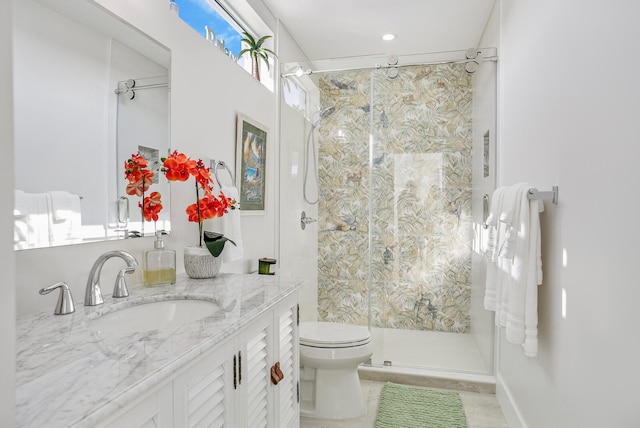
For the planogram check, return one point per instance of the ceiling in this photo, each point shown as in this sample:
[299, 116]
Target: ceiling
[348, 28]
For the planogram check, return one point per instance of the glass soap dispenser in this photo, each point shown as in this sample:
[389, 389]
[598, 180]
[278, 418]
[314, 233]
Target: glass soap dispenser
[159, 264]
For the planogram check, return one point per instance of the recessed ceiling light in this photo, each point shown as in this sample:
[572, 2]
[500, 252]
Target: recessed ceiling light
[388, 37]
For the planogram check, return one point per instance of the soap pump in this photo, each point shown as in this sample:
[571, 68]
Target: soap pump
[159, 264]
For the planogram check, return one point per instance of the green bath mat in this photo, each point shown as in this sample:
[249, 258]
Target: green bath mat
[410, 407]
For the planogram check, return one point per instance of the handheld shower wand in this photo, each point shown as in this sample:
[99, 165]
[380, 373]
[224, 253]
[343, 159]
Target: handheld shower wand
[311, 149]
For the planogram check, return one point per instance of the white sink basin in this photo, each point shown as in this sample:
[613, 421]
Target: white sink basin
[159, 315]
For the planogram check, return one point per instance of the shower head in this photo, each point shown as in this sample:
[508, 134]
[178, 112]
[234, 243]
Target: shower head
[326, 112]
[322, 114]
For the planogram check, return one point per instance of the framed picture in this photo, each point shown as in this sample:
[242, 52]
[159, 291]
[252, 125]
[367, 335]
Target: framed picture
[251, 156]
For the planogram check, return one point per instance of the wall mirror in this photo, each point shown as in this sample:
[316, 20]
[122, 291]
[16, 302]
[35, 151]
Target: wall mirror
[90, 90]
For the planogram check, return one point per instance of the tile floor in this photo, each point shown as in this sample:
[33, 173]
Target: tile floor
[482, 410]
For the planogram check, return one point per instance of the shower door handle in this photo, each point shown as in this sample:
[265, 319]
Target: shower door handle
[122, 207]
[485, 211]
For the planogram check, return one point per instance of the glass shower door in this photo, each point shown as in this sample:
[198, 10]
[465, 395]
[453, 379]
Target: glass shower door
[421, 200]
[400, 172]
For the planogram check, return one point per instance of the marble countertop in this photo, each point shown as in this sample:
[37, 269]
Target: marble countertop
[68, 376]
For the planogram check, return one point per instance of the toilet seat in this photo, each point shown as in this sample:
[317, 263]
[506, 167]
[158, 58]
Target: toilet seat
[333, 335]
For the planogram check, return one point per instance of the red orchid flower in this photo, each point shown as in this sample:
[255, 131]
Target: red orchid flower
[134, 166]
[142, 181]
[139, 177]
[179, 167]
[152, 205]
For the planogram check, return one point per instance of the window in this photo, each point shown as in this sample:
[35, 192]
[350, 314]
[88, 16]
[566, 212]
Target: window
[214, 22]
[211, 20]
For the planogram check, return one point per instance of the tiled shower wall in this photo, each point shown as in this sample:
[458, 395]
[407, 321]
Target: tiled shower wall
[395, 160]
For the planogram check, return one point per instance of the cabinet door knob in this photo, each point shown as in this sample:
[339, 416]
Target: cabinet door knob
[276, 374]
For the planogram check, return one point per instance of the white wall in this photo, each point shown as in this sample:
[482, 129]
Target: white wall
[208, 90]
[298, 247]
[7, 302]
[568, 116]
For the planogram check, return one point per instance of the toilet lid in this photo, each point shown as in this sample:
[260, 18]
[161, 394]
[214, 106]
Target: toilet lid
[332, 335]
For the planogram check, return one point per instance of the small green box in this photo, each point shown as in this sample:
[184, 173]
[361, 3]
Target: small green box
[264, 266]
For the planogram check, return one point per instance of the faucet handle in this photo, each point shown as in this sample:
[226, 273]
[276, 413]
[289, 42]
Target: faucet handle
[120, 287]
[65, 300]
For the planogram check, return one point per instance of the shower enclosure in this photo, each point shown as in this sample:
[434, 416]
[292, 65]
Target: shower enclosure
[398, 157]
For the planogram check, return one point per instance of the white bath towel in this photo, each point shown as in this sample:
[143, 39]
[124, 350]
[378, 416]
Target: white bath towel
[66, 219]
[64, 204]
[491, 250]
[526, 274]
[512, 282]
[493, 299]
[510, 217]
[229, 225]
[31, 214]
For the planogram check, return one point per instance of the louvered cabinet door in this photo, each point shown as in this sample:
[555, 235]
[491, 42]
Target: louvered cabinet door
[204, 394]
[287, 350]
[256, 358]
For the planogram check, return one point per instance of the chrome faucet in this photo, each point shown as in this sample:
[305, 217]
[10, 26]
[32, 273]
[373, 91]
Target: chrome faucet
[93, 293]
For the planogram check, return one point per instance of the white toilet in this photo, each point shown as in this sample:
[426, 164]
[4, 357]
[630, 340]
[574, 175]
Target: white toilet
[330, 354]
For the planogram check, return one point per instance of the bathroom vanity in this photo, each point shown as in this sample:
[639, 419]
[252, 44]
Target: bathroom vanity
[194, 352]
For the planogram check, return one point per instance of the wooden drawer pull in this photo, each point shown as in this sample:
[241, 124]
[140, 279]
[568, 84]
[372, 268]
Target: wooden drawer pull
[276, 374]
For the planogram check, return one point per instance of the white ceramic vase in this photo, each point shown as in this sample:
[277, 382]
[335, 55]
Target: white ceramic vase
[199, 263]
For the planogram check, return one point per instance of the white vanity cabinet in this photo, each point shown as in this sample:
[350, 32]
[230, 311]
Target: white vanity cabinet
[203, 395]
[287, 392]
[179, 378]
[232, 387]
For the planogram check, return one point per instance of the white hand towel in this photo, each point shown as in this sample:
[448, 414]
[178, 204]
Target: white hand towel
[64, 204]
[229, 225]
[523, 276]
[493, 288]
[514, 273]
[510, 217]
[66, 218]
[31, 220]
[491, 249]
[534, 279]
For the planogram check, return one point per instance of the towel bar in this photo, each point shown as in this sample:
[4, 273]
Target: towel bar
[223, 165]
[553, 194]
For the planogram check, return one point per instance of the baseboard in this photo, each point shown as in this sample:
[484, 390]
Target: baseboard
[509, 409]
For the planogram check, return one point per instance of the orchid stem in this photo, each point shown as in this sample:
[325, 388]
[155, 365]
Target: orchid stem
[199, 217]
